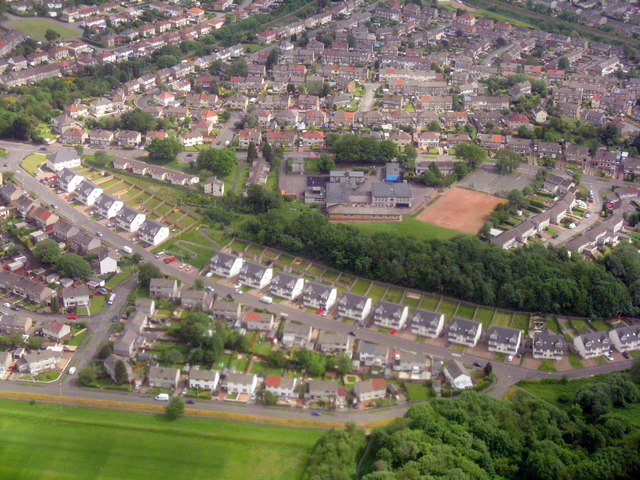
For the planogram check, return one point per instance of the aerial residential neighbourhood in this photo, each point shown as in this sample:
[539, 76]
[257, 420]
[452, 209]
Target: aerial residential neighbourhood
[411, 227]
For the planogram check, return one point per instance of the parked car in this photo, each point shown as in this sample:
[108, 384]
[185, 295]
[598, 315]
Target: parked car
[393, 331]
[478, 364]
[72, 317]
[316, 413]
[626, 355]
[510, 358]
[72, 370]
[266, 299]
[6, 304]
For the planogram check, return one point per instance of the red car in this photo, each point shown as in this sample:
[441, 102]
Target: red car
[393, 331]
[72, 317]
[320, 311]
[169, 259]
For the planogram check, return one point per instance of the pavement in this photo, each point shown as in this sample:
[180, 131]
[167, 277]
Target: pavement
[507, 373]
[368, 99]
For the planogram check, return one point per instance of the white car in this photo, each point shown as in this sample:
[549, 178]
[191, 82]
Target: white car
[208, 274]
[510, 358]
[266, 299]
[6, 304]
[182, 266]
[99, 234]
[72, 370]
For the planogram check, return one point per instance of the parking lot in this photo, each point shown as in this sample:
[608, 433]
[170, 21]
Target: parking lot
[486, 179]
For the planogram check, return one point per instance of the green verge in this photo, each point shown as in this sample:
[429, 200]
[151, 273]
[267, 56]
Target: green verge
[78, 443]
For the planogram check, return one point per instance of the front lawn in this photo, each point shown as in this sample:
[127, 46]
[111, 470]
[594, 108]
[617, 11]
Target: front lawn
[417, 392]
[31, 162]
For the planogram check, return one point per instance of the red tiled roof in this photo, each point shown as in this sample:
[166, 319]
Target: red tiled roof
[272, 381]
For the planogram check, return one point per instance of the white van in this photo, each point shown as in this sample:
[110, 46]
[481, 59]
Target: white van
[127, 249]
[266, 299]
[111, 299]
[162, 397]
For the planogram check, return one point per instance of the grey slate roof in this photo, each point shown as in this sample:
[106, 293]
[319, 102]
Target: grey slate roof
[464, 325]
[386, 309]
[425, 318]
[317, 291]
[395, 190]
[352, 301]
[503, 335]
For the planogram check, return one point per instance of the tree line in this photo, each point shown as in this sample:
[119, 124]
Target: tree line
[533, 278]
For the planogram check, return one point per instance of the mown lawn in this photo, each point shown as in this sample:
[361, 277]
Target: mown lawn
[520, 321]
[31, 162]
[37, 27]
[409, 226]
[417, 392]
[447, 307]
[78, 443]
[376, 292]
[361, 287]
[484, 316]
[466, 311]
[502, 318]
[429, 302]
[116, 279]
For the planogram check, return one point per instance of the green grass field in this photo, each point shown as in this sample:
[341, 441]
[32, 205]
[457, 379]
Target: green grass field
[393, 295]
[77, 443]
[409, 226]
[503, 319]
[361, 287]
[37, 27]
[32, 162]
[376, 292]
[520, 321]
[447, 307]
[484, 316]
[466, 311]
[429, 302]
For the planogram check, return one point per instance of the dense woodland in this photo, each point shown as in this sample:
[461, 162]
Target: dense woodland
[533, 278]
[477, 437]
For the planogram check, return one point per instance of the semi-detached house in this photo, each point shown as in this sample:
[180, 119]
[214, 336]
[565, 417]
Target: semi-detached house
[286, 286]
[129, 219]
[225, 265]
[319, 296]
[464, 331]
[152, 232]
[108, 206]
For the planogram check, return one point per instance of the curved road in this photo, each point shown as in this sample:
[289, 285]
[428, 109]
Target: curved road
[507, 373]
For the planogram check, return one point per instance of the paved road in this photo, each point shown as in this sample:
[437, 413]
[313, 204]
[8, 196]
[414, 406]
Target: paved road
[368, 99]
[507, 373]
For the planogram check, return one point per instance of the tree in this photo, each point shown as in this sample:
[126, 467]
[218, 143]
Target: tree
[267, 152]
[563, 63]
[172, 355]
[277, 359]
[50, 35]
[55, 304]
[272, 59]
[218, 161]
[164, 150]
[105, 351]
[507, 161]
[79, 149]
[101, 158]
[87, 375]
[266, 397]
[474, 155]
[260, 199]
[47, 251]
[174, 409]
[138, 120]
[147, 271]
[326, 163]
[198, 284]
[238, 68]
[634, 372]
[488, 368]
[73, 266]
[609, 134]
[343, 364]
[121, 373]
[21, 129]
[252, 152]
[136, 258]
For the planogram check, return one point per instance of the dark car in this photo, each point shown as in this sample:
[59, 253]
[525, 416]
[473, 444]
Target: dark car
[316, 413]
[447, 343]
[190, 402]
[15, 309]
[626, 355]
[43, 148]
[114, 319]
[478, 364]
[352, 333]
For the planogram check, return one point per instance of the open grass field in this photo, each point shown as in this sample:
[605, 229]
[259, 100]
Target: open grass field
[452, 210]
[37, 27]
[78, 443]
[411, 301]
[408, 226]
[32, 162]
[393, 295]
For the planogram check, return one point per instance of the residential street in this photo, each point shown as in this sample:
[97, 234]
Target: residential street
[507, 373]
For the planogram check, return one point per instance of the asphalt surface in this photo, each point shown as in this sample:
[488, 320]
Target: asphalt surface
[507, 373]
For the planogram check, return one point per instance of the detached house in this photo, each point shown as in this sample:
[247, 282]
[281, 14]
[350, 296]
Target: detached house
[286, 286]
[390, 315]
[296, 334]
[75, 296]
[225, 265]
[368, 390]
[464, 331]
[549, 345]
[373, 354]
[356, 307]
[504, 339]
[152, 232]
[58, 161]
[56, 331]
[129, 219]
[255, 275]
[68, 180]
[108, 206]
[163, 288]
[426, 323]
[592, 344]
[319, 296]
[87, 192]
[260, 322]
[213, 186]
[457, 375]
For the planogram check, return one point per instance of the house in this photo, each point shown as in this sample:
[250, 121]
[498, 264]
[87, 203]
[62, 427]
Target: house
[227, 310]
[464, 331]
[44, 218]
[281, 386]
[125, 344]
[504, 339]
[354, 306]
[102, 138]
[68, 180]
[38, 362]
[426, 323]
[204, 379]
[63, 230]
[146, 306]
[137, 321]
[332, 342]
[87, 192]
[75, 296]
[255, 275]
[319, 296]
[286, 286]
[457, 375]
[107, 206]
[213, 186]
[12, 323]
[592, 344]
[56, 331]
[373, 354]
[390, 315]
[110, 366]
[409, 362]
[625, 338]
[260, 322]
[25, 288]
[248, 136]
[225, 265]
[195, 299]
[129, 219]
[296, 334]
[152, 232]
[372, 389]
[84, 243]
[25, 204]
[557, 183]
[549, 345]
[58, 161]
[161, 377]
[321, 389]
[128, 138]
[163, 288]
[9, 193]
[241, 383]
